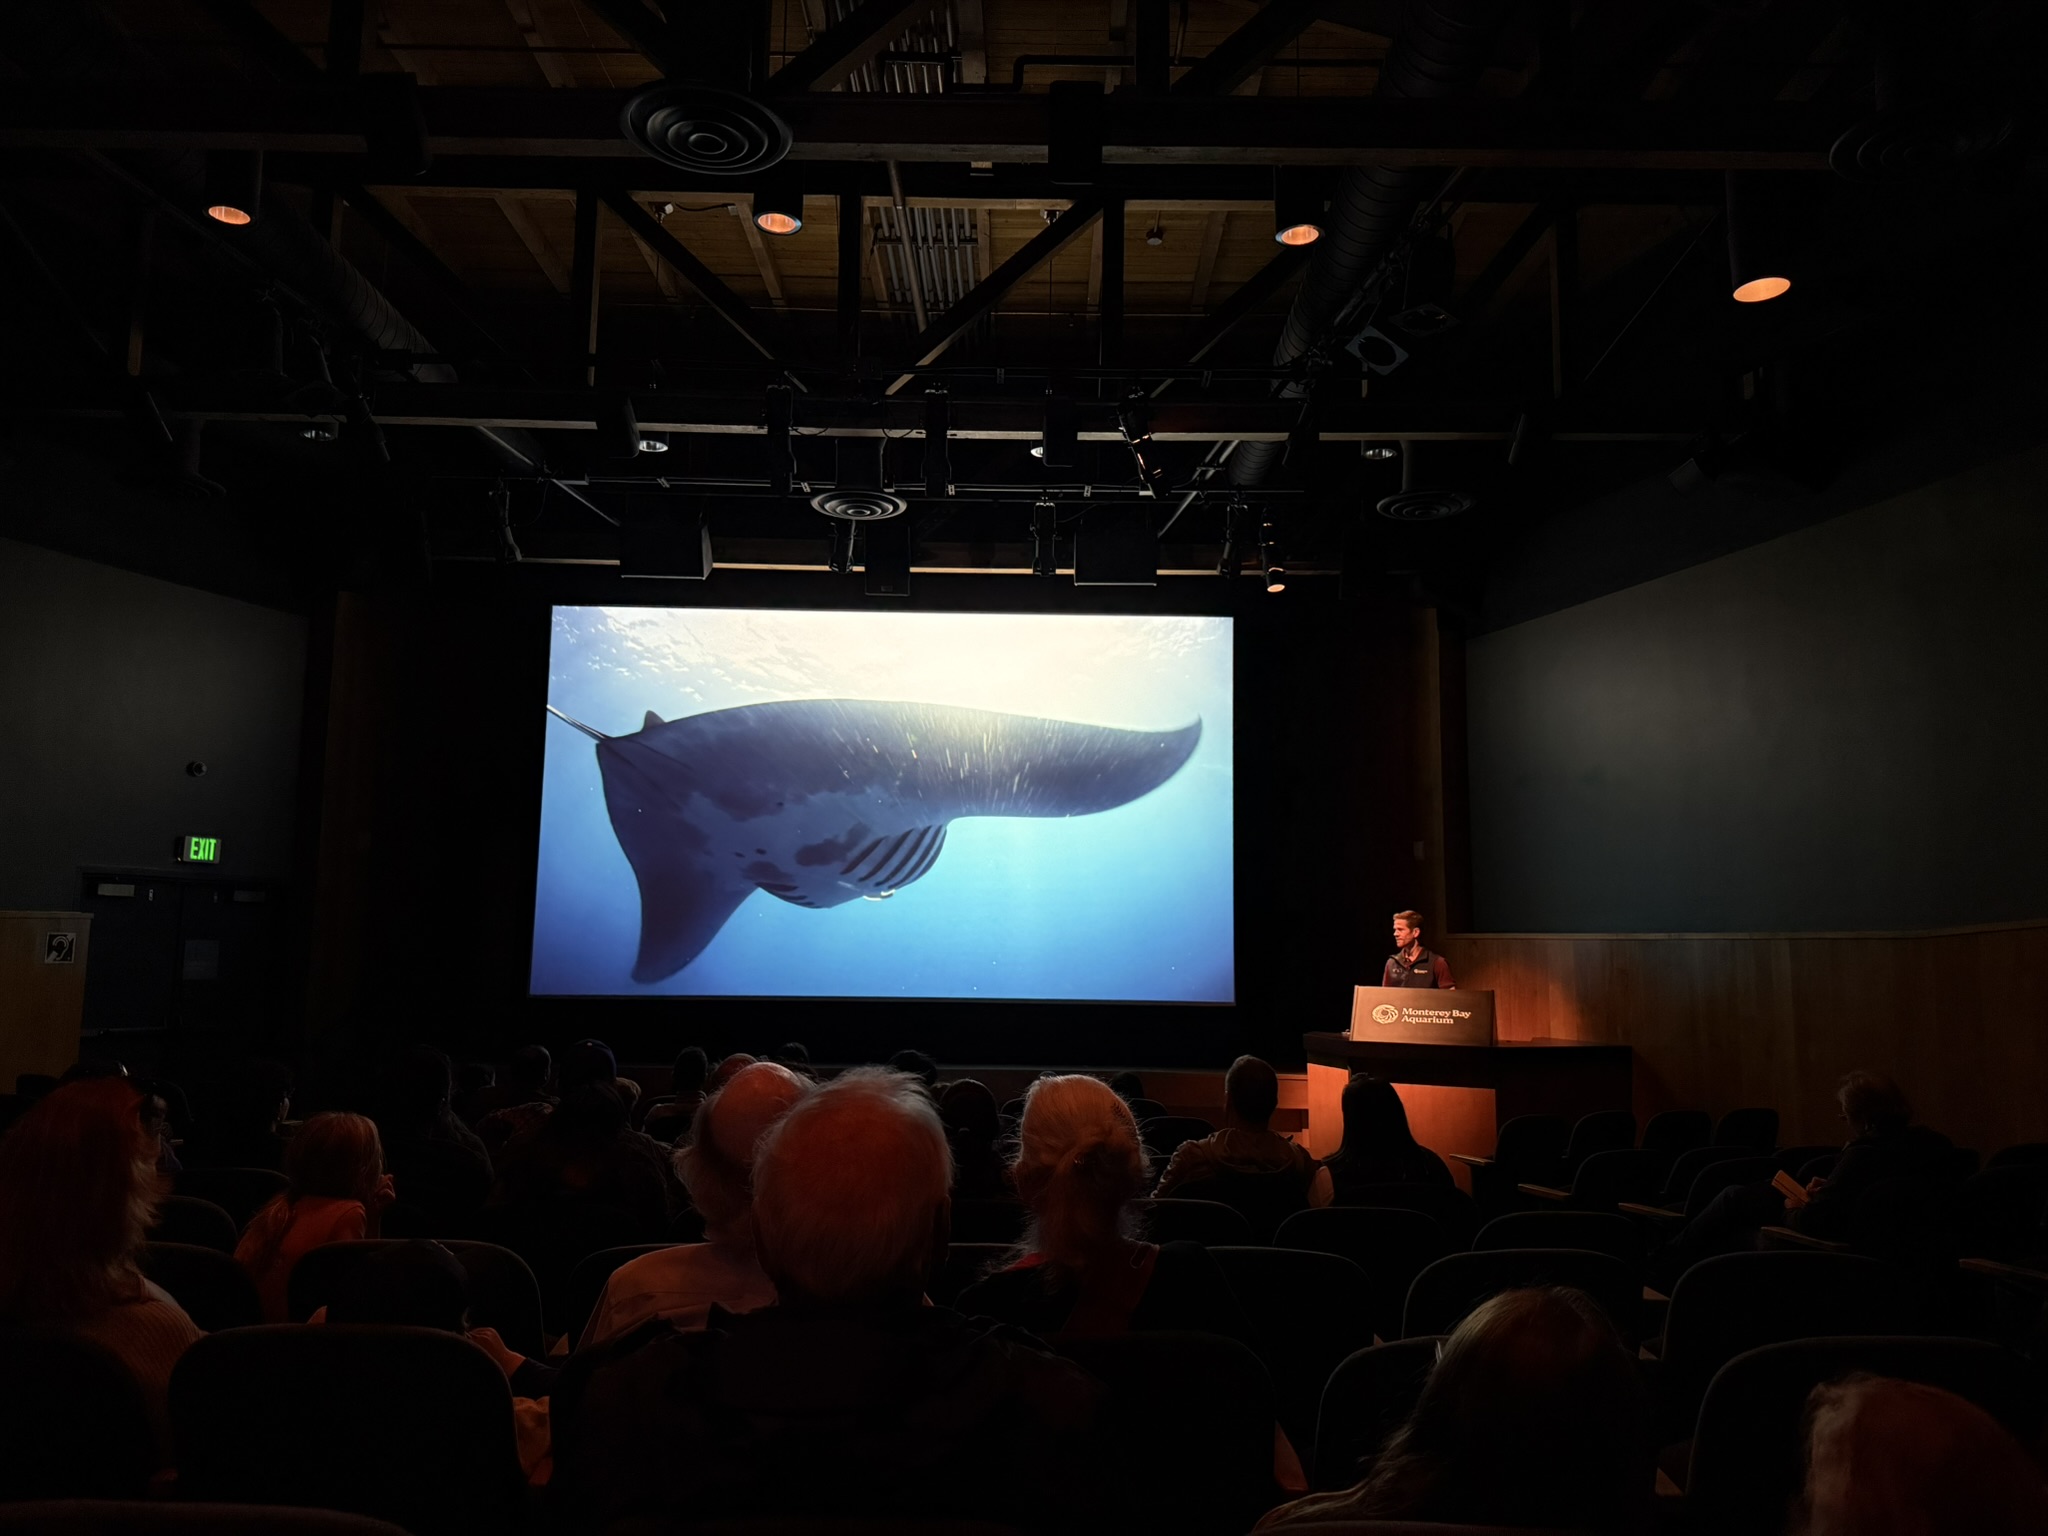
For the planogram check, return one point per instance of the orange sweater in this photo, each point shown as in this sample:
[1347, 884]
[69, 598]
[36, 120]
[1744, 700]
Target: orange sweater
[282, 1232]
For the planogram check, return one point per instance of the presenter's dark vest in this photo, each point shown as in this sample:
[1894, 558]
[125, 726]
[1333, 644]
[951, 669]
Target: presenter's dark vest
[1400, 973]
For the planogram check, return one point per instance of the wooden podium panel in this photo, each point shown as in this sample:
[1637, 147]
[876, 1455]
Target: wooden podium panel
[1422, 1016]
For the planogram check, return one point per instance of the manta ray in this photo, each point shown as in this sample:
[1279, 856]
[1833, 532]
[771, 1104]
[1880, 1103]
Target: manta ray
[824, 801]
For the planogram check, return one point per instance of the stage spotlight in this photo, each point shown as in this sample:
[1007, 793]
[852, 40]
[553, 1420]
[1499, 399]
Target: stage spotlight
[1060, 441]
[1133, 422]
[1757, 268]
[1044, 536]
[1231, 560]
[1297, 206]
[779, 201]
[1378, 452]
[1269, 558]
[618, 429]
[839, 557]
[319, 432]
[234, 185]
[885, 557]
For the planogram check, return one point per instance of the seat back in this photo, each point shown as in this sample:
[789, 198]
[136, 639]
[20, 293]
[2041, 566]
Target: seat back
[1451, 1209]
[182, 1219]
[1391, 1246]
[1368, 1397]
[1686, 1167]
[503, 1293]
[101, 1517]
[1605, 1179]
[1754, 1128]
[1451, 1287]
[1747, 1452]
[2002, 1209]
[988, 1221]
[408, 1425]
[1715, 1177]
[1674, 1131]
[1535, 1143]
[1724, 1306]
[1594, 1231]
[2034, 1153]
[1192, 1221]
[72, 1421]
[1165, 1134]
[241, 1192]
[214, 1290]
[1146, 1109]
[1264, 1200]
[1606, 1130]
[965, 1264]
[587, 1281]
[1308, 1311]
[1208, 1472]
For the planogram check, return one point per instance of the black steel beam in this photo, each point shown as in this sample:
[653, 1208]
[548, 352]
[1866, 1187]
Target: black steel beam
[842, 48]
[1234, 60]
[1276, 274]
[731, 308]
[584, 294]
[646, 32]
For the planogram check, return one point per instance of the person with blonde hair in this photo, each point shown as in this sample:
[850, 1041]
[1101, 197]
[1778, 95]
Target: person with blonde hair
[337, 1193]
[79, 1189]
[1084, 1266]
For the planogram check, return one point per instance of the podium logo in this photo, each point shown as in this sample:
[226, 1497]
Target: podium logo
[1385, 1013]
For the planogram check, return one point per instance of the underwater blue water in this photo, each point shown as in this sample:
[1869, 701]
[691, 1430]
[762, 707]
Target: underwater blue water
[1131, 904]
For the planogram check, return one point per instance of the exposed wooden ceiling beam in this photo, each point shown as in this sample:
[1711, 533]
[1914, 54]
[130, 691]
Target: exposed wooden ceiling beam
[1246, 50]
[536, 243]
[1276, 274]
[846, 45]
[646, 31]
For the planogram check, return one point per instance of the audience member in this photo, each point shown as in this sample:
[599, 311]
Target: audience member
[524, 1083]
[583, 1174]
[850, 1397]
[796, 1056]
[471, 1079]
[728, 1069]
[1083, 1268]
[1884, 1145]
[666, 1119]
[242, 1126]
[1247, 1144]
[584, 1063]
[423, 1285]
[1896, 1458]
[1127, 1086]
[157, 1124]
[1378, 1147]
[78, 1190]
[683, 1283]
[437, 1160]
[338, 1192]
[1533, 1416]
[918, 1065]
[973, 1122]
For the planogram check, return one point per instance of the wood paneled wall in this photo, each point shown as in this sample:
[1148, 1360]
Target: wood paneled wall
[1959, 1017]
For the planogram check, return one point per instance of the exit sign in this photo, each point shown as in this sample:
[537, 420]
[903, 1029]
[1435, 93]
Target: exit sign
[199, 850]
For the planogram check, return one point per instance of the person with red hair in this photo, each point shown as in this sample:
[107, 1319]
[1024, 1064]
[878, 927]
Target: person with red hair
[79, 1189]
[338, 1192]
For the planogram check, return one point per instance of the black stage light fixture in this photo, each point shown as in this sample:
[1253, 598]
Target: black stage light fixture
[1758, 265]
[665, 546]
[1045, 523]
[779, 200]
[885, 557]
[1059, 441]
[234, 186]
[1134, 422]
[1297, 205]
[839, 554]
[501, 509]
[781, 453]
[1116, 547]
[938, 444]
[1230, 562]
[618, 428]
[1269, 557]
[366, 434]
[1074, 133]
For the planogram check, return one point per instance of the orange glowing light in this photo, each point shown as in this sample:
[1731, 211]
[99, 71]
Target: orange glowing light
[1758, 289]
[778, 223]
[1299, 234]
[227, 213]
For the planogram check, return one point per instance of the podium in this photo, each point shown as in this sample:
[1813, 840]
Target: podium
[1457, 1079]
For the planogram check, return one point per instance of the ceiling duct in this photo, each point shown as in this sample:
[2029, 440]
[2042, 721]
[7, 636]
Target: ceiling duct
[700, 128]
[1424, 497]
[1442, 47]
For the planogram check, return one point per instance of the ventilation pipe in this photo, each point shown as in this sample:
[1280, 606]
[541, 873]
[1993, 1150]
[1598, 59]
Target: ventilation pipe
[1442, 47]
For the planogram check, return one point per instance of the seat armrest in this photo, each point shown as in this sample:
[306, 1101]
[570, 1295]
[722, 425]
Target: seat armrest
[1787, 1237]
[1544, 1191]
[1661, 1214]
[2007, 1274]
[1655, 1297]
[1470, 1161]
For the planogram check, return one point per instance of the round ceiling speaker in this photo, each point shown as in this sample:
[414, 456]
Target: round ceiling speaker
[1921, 142]
[703, 129]
[858, 506]
[1426, 506]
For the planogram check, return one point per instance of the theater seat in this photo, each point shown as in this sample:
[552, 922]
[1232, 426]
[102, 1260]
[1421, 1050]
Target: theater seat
[214, 1290]
[1526, 1150]
[72, 1421]
[1450, 1208]
[408, 1425]
[1264, 1200]
[1367, 1398]
[1449, 1289]
[1605, 1179]
[1391, 1246]
[1597, 1231]
[1192, 1221]
[588, 1279]
[1677, 1130]
[182, 1219]
[965, 1264]
[1748, 1454]
[1310, 1311]
[502, 1291]
[102, 1517]
[241, 1192]
[1164, 1135]
[1755, 1129]
[988, 1221]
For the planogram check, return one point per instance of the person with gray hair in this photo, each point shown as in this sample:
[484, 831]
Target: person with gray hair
[716, 1166]
[851, 1396]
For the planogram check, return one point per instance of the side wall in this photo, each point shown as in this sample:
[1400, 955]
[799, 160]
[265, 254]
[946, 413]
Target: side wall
[110, 683]
[1841, 729]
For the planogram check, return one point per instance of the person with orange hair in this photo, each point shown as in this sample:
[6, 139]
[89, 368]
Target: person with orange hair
[337, 1194]
[79, 1189]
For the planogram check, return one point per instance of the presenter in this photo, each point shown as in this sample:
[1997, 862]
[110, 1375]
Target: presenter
[1410, 965]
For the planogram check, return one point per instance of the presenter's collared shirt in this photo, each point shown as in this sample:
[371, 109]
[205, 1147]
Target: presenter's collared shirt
[1426, 970]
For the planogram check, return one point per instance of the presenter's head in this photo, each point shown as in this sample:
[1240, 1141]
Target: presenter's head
[1407, 929]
